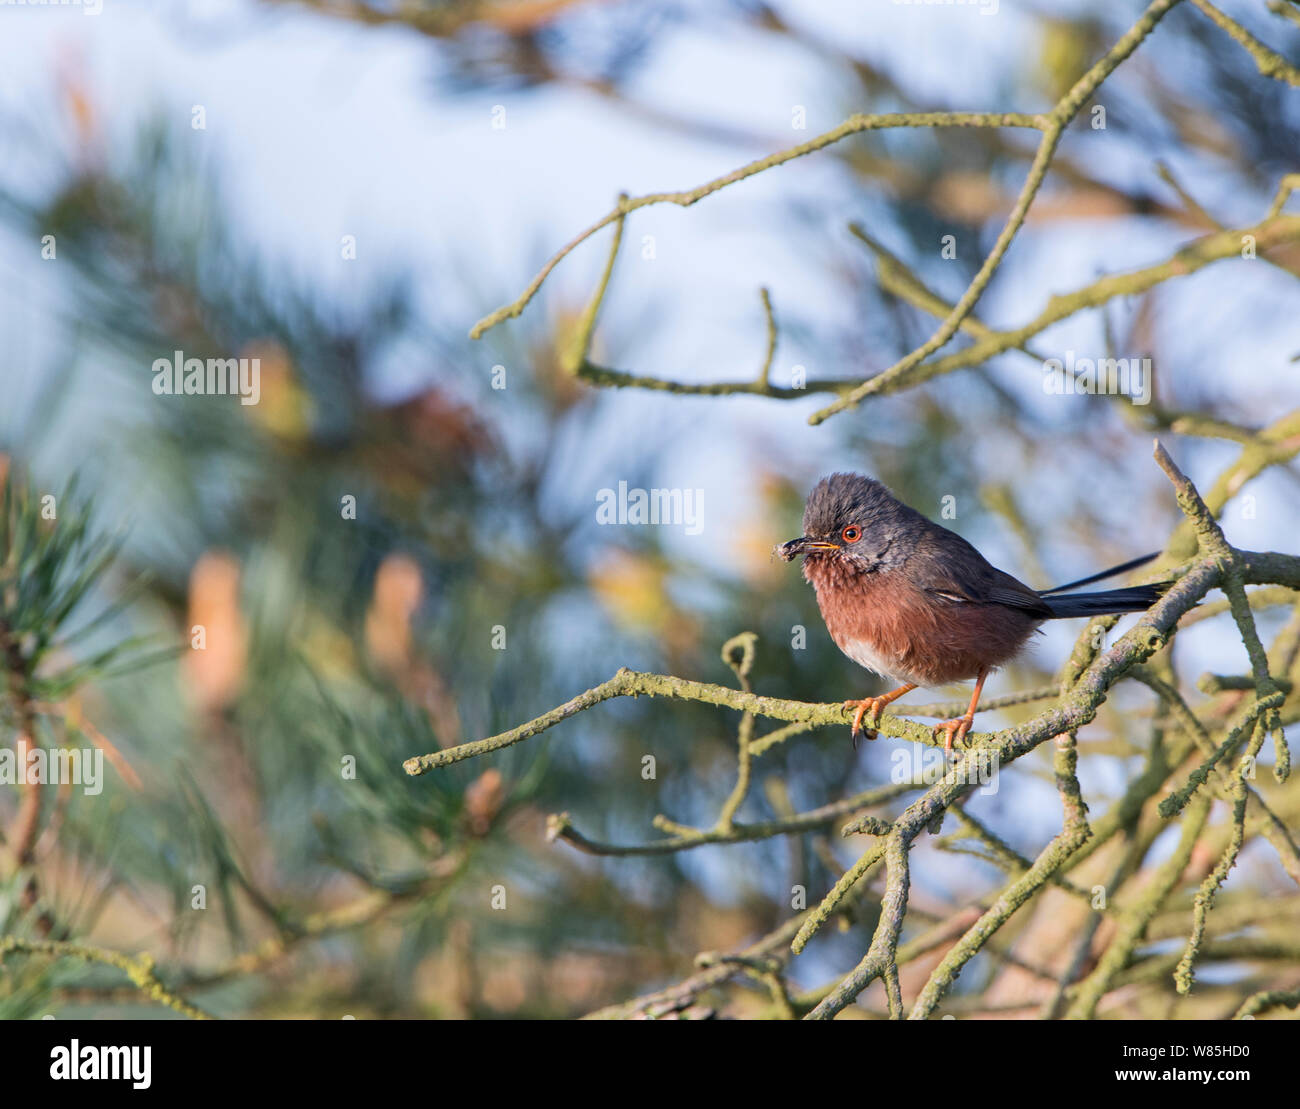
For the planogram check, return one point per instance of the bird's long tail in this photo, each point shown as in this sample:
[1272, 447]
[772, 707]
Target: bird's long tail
[1136, 598]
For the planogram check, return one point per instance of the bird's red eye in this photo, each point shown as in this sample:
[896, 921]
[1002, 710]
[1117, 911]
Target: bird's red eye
[851, 534]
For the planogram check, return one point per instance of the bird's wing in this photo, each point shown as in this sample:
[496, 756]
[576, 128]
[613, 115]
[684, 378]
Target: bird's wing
[946, 566]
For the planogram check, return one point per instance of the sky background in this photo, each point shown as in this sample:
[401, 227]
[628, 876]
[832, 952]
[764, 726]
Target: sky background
[317, 131]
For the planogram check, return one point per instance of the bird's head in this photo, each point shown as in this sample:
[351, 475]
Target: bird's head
[851, 519]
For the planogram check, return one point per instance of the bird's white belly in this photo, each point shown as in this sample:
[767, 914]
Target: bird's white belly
[887, 666]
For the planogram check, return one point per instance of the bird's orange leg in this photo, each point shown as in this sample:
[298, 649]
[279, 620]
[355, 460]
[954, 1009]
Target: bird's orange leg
[955, 730]
[874, 706]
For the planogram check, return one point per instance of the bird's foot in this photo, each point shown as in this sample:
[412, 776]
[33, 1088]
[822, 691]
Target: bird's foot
[861, 709]
[872, 706]
[954, 731]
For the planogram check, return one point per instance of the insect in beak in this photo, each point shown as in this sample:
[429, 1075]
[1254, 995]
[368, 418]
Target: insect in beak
[804, 545]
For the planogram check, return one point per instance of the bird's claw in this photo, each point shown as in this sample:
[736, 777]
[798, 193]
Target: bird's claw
[954, 731]
[872, 706]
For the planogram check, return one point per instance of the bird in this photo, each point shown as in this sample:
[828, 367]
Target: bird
[917, 604]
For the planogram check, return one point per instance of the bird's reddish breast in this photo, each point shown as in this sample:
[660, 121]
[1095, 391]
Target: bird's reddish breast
[882, 621]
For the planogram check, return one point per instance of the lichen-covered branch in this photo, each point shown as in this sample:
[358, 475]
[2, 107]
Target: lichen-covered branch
[1268, 62]
[854, 125]
[1086, 679]
[925, 362]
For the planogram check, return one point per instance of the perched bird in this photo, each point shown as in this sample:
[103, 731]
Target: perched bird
[919, 605]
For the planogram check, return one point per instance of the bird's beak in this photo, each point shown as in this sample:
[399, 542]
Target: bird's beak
[803, 545]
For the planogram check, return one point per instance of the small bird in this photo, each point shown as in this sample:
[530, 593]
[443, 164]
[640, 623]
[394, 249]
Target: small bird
[919, 605]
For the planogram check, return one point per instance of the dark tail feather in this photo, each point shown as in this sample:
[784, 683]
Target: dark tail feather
[1124, 568]
[1136, 598]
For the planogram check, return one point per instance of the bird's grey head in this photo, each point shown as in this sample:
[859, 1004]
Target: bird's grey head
[852, 519]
